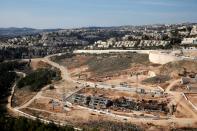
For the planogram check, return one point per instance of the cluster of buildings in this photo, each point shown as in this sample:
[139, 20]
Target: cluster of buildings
[194, 31]
[119, 44]
[189, 43]
[144, 105]
[38, 45]
[122, 103]
[91, 101]
[10, 51]
[131, 44]
[153, 43]
[61, 39]
[153, 37]
[123, 37]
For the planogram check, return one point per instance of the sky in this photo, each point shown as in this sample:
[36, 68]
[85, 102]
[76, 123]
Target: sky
[44, 14]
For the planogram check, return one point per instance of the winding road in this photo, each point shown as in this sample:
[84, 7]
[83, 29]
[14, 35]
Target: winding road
[65, 76]
[18, 112]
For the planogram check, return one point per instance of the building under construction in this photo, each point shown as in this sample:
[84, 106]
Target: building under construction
[91, 101]
[143, 105]
[121, 103]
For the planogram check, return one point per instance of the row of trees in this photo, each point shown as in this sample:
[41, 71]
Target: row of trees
[8, 76]
[8, 123]
[24, 124]
[110, 126]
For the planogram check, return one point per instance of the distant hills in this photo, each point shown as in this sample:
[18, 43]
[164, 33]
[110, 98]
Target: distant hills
[13, 32]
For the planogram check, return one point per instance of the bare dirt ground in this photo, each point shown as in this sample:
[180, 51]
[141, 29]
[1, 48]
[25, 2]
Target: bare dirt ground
[181, 111]
[190, 53]
[75, 116]
[45, 104]
[40, 105]
[81, 67]
[112, 69]
[60, 88]
[20, 97]
[174, 69]
[82, 117]
[114, 94]
[36, 64]
[192, 98]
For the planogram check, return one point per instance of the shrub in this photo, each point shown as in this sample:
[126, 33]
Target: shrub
[157, 79]
[37, 79]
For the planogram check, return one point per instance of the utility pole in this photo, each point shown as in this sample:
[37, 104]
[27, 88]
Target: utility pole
[63, 98]
[137, 80]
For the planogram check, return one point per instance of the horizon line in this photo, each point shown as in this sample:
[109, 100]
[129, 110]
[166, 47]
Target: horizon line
[95, 26]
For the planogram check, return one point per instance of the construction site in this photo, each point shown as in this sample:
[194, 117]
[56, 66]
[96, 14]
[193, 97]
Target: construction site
[122, 103]
[116, 87]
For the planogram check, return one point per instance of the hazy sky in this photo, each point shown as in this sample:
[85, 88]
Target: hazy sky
[80, 13]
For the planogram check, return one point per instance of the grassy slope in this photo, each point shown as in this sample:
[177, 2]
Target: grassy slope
[116, 62]
[178, 67]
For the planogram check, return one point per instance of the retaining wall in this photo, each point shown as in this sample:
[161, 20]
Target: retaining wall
[162, 58]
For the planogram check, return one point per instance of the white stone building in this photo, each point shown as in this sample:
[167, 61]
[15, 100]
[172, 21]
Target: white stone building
[186, 41]
[194, 30]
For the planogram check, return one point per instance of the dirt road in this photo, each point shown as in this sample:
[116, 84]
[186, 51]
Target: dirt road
[9, 104]
[65, 76]
[178, 98]
[172, 85]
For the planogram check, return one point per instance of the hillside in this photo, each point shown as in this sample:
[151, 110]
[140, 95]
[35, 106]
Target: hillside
[12, 31]
[179, 67]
